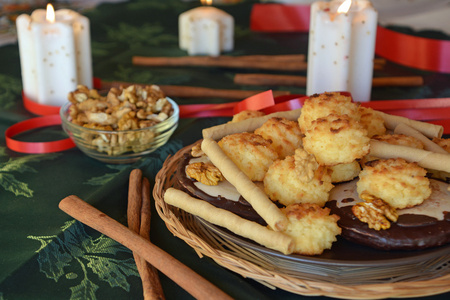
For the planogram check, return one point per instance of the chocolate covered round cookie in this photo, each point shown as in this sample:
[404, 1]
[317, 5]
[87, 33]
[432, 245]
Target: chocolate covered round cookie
[423, 226]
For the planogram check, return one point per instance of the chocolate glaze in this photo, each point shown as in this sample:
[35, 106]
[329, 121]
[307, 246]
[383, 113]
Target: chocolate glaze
[410, 232]
[241, 208]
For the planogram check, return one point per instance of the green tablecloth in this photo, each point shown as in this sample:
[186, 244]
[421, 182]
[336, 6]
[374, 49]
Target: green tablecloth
[44, 253]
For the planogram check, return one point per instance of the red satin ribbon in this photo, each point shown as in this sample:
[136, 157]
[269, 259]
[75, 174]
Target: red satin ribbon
[433, 110]
[279, 18]
[36, 147]
[411, 51]
[429, 110]
[39, 108]
[257, 102]
[45, 110]
[49, 117]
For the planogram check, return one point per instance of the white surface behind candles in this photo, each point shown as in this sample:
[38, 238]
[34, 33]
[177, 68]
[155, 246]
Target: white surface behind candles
[206, 30]
[341, 49]
[54, 57]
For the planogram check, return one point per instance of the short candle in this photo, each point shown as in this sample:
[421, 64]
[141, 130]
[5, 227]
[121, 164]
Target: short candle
[342, 48]
[55, 54]
[206, 30]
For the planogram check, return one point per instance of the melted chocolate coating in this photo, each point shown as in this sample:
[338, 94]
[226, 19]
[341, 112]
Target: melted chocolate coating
[410, 232]
[241, 208]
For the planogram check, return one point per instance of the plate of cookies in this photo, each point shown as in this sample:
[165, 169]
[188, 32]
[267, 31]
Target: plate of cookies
[316, 200]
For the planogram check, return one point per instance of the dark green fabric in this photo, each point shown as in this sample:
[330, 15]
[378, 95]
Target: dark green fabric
[44, 253]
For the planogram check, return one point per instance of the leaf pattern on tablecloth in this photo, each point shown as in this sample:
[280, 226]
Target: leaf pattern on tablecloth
[9, 182]
[143, 35]
[104, 179]
[63, 255]
[10, 87]
[155, 160]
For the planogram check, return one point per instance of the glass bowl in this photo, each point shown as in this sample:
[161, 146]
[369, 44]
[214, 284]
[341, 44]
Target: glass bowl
[119, 146]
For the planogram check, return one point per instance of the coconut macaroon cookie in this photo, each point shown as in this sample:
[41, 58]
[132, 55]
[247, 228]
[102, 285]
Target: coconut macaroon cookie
[345, 172]
[250, 152]
[284, 134]
[336, 139]
[397, 182]
[321, 105]
[246, 114]
[371, 121]
[298, 179]
[443, 143]
[312, 228]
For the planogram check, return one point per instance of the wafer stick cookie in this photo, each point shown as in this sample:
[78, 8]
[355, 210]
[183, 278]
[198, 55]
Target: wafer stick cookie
[221, 217]
[424, 158]
[247, 188]
[428, 129]
[429, 145]
[248, 125]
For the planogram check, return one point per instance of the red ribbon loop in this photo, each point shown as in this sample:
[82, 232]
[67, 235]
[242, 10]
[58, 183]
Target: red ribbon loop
[36, 147]
[412, 51]
[38, 108]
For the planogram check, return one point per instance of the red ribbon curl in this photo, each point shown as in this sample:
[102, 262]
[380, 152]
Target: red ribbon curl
[435, 111]
[36, 147]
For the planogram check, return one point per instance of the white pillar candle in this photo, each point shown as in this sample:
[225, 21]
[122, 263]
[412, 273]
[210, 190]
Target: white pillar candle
[341, 48]
[206, 30]
[55, 55]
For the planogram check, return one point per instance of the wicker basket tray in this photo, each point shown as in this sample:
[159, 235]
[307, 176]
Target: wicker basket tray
[309, 278]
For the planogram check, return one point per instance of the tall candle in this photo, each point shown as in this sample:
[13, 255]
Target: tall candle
[342, 47]
[206, 30]
[55, 54]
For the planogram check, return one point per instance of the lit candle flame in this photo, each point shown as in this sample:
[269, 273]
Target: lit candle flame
[206, 2]
[50, 13]
[345, 6]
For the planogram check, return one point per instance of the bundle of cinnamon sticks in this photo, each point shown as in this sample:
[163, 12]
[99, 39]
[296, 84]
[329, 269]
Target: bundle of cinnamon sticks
[139, 217]
[143, 249]
[286, 63]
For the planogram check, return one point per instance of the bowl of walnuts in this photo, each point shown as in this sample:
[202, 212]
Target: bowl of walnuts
[121, 127]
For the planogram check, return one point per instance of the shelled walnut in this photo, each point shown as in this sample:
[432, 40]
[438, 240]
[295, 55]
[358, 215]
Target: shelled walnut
[205, 173]
[375, 212]
[122, 109]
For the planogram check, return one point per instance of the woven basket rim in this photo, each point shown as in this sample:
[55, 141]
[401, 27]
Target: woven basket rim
[191, 231]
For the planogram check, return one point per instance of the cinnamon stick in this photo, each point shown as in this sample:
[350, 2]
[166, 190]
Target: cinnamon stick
[197, 92]
[270, 79]
[139, 216]
[185, 277]
[294, 62]
[291, 80]
[134, 200]
[279, 58]
[263, 62]
[397, 81]
[150, 278]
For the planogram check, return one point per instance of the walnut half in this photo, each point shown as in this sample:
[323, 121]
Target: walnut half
[196, 150]
[375, 212]
[205, 173]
